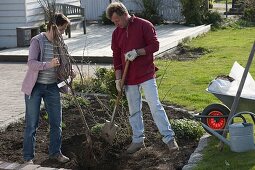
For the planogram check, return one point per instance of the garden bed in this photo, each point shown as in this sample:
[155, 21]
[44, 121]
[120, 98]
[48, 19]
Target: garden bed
[154, 156]
[102, 155]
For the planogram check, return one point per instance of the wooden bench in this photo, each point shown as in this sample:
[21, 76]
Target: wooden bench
[74, 13]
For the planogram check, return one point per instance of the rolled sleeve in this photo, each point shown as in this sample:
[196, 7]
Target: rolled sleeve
[116, 54]
[151, 39]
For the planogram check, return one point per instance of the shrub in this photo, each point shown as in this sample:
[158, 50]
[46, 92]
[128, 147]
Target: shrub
[97, 128]
[105, 20]
[109, 81]
[150, 11]
[249, 14]
[103, 82]
[186, 129]
[214, 18]
[193, 11]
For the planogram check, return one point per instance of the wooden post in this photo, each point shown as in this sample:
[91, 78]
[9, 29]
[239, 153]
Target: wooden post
[233, 3]
[226, 8]
[206, 5]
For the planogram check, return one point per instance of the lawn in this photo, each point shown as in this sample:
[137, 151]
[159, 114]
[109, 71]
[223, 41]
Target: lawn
[184, 83]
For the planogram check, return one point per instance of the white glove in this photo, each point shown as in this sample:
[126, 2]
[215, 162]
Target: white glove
[118, 85]
[131, 55]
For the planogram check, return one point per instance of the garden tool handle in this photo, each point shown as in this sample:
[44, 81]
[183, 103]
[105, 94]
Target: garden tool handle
[117, 101]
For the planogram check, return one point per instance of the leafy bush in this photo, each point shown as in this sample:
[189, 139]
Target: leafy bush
[103, 82]
[150, 11]
[193, 11]
[249, 10]
[105, 20]
[214, 18]
[187, 129]
[154, 19]
[249, 14]
[109, 81]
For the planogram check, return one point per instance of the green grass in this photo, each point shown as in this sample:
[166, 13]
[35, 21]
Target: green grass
[214, 159]
[184, 84]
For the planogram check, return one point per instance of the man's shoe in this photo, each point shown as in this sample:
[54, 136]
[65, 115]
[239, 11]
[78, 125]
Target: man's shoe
[134, 147]
[60, 158]
[172, 145]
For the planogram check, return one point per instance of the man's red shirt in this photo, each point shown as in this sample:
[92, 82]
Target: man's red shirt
[139, 34]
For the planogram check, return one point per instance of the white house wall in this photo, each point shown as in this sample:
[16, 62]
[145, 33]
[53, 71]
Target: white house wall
[12, 15]
[94, 8]
[170, 9]
[17, 13]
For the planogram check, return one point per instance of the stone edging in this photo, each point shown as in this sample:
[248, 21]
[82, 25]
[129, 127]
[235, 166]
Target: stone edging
[197, 155]
[14, 166]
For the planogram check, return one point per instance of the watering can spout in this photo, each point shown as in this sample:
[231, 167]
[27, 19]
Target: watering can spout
[224, 140]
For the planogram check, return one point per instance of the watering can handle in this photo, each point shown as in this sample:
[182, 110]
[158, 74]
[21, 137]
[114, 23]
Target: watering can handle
[239, 113]
[117, 101]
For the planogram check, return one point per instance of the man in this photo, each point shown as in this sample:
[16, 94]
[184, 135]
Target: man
[135, 39]
[41, 83]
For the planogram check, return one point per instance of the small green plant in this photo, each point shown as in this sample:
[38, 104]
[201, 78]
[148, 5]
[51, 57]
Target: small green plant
[68, 101]
[187, 129]
[97, 128]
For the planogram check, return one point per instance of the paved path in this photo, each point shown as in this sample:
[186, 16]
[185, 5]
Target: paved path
[11, 99]
[95, 46]
[98, 45]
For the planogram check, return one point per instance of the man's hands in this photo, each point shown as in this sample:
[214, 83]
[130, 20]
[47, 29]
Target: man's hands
[131, 55]
[118, 85]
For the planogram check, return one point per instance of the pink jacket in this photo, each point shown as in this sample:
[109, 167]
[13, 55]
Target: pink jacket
[35, 64]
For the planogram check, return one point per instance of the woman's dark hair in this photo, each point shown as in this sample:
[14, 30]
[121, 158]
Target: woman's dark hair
[60, 19]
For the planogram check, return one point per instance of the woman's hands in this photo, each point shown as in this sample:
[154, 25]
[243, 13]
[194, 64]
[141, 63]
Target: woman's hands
[54, 62]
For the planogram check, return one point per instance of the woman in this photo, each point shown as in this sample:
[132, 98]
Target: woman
[41, 83]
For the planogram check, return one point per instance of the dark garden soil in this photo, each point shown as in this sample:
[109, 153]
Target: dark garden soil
[102, 155]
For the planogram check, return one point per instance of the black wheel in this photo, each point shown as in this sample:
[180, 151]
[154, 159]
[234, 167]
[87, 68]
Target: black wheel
[217, 123]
